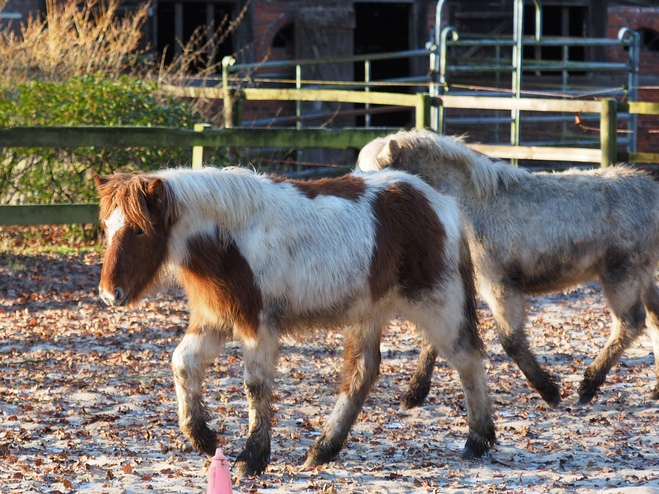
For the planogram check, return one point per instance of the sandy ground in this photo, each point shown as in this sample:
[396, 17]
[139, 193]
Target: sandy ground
[87, 402]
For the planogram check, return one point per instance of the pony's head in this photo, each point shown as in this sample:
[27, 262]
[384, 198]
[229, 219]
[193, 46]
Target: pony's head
[135, 213]
[406, 150]
[378, 154]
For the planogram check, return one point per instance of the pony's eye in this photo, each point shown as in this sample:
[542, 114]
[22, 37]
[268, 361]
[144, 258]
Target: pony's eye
[139, 231]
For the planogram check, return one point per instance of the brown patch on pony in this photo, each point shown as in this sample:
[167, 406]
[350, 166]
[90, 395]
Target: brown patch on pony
[346, 187]
[409, 243]
[216, 275]
[131, 262]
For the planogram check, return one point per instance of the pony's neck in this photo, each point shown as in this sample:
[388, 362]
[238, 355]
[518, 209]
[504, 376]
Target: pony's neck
[451, 182]
[226, 199]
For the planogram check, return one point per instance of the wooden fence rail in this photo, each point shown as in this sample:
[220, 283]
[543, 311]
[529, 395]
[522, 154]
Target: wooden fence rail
[122, 137]
[202, 136]
[607, 108]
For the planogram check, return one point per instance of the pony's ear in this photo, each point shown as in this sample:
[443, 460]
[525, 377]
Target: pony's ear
[155, 189]
[100, 181]
[389, 154]
[394, 150]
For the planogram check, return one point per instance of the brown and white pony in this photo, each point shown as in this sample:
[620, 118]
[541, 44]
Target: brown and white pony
[538, 233]
[261, 257]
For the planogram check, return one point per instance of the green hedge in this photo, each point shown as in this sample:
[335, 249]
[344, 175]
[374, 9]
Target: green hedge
[47, 175]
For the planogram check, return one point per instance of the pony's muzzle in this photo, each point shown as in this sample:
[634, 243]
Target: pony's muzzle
[118, 298]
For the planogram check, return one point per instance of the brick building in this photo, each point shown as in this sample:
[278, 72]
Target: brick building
[287, 29]
[298, 29]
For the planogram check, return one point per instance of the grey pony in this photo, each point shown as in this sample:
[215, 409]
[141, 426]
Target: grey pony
[538, 233]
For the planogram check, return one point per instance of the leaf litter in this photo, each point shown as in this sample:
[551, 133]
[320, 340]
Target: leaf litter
[88, 402]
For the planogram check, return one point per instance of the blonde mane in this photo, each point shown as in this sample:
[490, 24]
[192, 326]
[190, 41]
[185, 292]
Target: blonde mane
[236, 194]
[431, 155]
[128, 193]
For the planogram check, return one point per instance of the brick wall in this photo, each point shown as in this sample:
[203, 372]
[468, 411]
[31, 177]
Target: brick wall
[269, 18]
[637, 18]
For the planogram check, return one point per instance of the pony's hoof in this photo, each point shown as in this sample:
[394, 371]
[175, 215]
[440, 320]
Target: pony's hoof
[587, 391]
[203, 440]
[548, 388]
[310, 463]
[654, 394]
[476, 445]
[585, 399]
[411, 400]
[242, 469]
[248, 465]
[551, 396]
[590, 385]
[321, 452]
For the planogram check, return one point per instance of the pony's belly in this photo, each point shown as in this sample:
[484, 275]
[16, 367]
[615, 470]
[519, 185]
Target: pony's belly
[544, 274]
[303, 317]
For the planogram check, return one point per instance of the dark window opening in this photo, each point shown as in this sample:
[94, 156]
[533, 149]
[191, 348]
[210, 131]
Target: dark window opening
[194, 15]
[285, 37]
[383, 27]
[649, 39]
[557, 20]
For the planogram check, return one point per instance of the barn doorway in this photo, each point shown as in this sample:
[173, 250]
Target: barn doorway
[382, 27]
[177, 21]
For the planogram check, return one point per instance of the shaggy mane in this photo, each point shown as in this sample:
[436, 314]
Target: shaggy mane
[421, 150]
[128, 192]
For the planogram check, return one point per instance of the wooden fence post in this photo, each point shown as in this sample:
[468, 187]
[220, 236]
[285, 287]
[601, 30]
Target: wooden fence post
[608, 132]
[441, 120]
[198, 151]
[423, 104]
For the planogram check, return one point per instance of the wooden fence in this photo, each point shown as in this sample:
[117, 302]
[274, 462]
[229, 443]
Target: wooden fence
[356, 138]
[608, 109]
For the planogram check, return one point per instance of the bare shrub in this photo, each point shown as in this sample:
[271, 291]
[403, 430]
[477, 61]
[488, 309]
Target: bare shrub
[74, 39]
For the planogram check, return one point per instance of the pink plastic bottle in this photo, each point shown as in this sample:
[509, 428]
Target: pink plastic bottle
[219, 478]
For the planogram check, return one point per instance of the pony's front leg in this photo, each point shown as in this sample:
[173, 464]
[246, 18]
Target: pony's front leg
[197, 350]
[360, 370]
[509, 311]
[652, 321]
[260, 360]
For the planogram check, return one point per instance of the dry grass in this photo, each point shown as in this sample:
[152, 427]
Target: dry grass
[89, 37]
[74, 39]
[199, 57]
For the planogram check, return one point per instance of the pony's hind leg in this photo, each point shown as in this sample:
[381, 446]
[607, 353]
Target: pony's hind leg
[361, 363]
[628, 323]
[457, 340]
[421, 379]
[508, 309]
[195, 352]
[482, 435]
[260, 362]
[652, 320]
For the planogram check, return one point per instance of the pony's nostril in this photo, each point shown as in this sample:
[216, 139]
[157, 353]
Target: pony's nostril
[118, 294]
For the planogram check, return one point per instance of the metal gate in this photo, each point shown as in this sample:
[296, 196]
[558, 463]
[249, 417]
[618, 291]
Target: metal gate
[508, 60]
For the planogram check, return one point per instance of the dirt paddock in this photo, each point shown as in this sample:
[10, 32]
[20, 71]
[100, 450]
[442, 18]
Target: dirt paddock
[88, 404]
